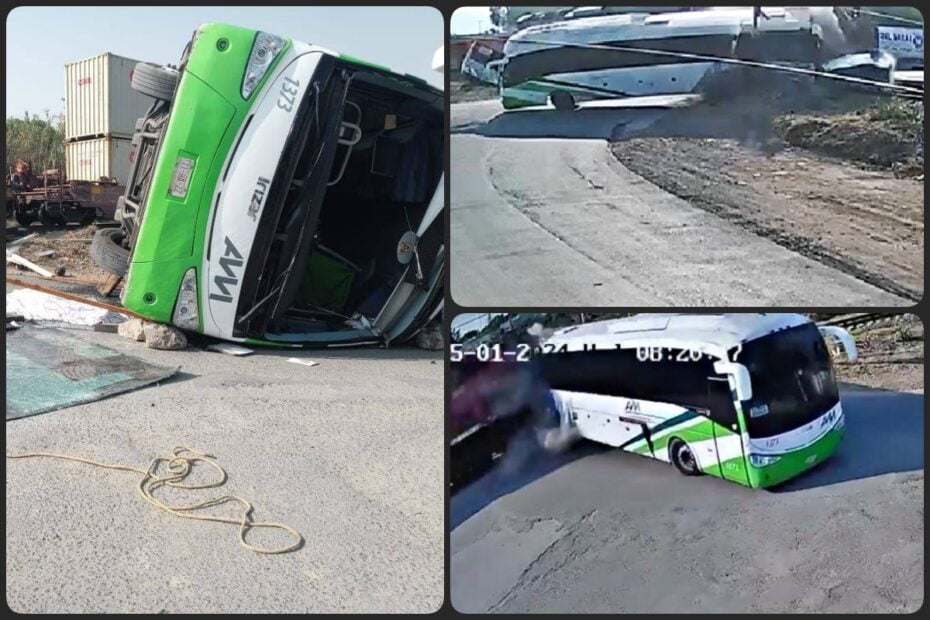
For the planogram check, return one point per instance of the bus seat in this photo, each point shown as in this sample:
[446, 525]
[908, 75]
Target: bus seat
[328, 279]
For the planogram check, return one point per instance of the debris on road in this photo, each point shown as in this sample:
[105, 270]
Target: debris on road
[21, 241]
[69, 243]
[39, 306]
[49, 369]
[66, 295]
[132, 329]
[159, 336]
[229, 349]
[16, 259]
[106, 287]
[297, 360]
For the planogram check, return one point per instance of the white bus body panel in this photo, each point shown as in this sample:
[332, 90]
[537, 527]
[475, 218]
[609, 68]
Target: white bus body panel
[615, 421]
[257, 156]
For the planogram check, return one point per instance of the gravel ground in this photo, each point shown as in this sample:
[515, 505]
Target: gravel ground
[349, 453]
[70, 251]
[902, 340]
[864, 220]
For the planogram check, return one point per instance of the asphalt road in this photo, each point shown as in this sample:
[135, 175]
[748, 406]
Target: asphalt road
[544, 215]
[349, 453]
[599, 530]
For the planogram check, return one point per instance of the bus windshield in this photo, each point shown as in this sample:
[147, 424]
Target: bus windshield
[792, 380]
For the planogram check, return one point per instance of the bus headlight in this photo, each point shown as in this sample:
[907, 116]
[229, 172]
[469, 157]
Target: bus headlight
[761, 460]
[185, 310]
[265, 49]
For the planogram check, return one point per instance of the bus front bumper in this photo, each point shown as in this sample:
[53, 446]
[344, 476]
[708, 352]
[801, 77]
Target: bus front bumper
[793, 463]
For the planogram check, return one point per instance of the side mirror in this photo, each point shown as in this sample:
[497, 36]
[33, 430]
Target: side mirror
[738, 376]
[844, 338]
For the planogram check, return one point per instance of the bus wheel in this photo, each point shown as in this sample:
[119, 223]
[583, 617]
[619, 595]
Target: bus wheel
[562, 100]
[683, 458]
[108, 252]
[155, 81]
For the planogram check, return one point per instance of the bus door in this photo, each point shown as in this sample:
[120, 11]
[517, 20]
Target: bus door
[727, 437]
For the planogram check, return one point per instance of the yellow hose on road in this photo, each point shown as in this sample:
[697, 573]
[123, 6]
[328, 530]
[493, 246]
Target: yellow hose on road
[180, 467]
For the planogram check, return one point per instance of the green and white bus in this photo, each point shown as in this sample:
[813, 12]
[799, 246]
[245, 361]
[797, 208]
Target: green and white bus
[750, 398]
[281, 193]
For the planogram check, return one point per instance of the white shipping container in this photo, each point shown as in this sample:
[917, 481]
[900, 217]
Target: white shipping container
[99, 100]
[88, 160]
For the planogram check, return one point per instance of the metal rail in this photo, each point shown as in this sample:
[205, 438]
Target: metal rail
[72, 297]
[848, 321]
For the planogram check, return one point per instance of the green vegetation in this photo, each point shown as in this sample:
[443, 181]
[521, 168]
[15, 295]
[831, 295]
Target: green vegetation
[887, 134]
[908, 115]
[37, 140]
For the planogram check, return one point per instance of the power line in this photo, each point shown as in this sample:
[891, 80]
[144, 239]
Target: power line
[904, 20]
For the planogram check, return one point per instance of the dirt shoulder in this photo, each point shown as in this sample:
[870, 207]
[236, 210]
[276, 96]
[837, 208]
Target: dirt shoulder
[865, 220]
[464, 88]
[890, 356]
[888, 135]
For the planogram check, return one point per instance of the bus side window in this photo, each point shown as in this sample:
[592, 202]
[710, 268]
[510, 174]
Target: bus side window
[720, 401]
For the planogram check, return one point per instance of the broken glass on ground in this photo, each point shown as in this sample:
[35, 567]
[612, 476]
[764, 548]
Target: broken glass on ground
[49, 369]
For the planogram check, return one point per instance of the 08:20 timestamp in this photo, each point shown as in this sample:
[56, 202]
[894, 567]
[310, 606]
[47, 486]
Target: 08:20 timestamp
[668, 354]
[525, 352]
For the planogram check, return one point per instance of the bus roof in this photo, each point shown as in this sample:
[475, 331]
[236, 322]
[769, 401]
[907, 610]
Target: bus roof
[713, 332]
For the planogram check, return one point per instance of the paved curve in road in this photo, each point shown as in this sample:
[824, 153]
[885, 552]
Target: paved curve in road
[606, 531]
[558, 221]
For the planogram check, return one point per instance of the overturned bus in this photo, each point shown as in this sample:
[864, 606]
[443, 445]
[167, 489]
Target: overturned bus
[634, 54]
[281, 193]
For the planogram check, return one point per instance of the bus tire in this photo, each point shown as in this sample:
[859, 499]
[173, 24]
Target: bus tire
[108, 252]
[562, 100]
[683, 458]
[155, 81]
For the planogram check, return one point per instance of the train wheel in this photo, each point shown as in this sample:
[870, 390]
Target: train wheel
[46, 219]
[88, 218]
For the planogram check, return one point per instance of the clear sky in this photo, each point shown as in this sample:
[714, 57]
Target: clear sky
[40, 40]
[470, 20]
